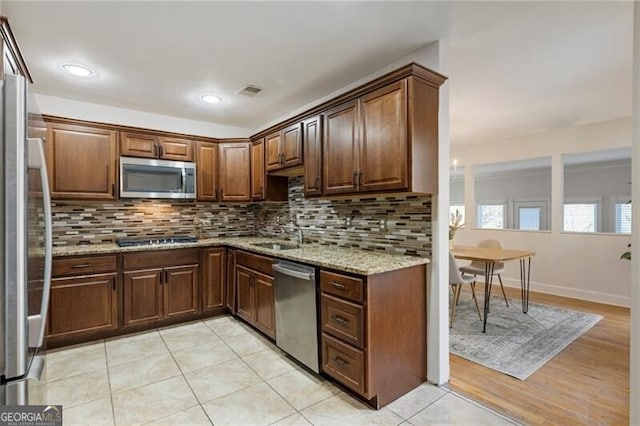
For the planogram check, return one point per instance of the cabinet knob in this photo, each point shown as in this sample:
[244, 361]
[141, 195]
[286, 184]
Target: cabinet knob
[354, 180]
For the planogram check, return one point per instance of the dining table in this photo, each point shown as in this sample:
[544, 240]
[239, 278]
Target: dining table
[491, 256]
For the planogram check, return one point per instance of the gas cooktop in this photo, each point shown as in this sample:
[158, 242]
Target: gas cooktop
[131, 242]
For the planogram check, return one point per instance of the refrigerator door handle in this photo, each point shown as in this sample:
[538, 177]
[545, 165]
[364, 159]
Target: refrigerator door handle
[37, 322]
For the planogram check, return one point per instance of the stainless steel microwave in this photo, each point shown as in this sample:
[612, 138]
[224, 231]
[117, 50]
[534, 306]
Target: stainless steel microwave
[150, 178]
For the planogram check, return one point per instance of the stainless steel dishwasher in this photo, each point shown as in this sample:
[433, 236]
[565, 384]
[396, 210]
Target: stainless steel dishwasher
[296, 317]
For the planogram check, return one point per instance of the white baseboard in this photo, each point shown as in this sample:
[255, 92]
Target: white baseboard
[574, 293]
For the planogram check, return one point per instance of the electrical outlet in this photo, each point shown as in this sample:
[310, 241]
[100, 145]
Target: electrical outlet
[383, 224]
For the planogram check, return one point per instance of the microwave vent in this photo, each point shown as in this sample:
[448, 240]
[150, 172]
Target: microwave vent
[249, 90]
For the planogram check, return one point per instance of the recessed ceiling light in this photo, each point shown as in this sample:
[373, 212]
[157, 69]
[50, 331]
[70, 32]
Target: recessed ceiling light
[211, 99]
[78, 70]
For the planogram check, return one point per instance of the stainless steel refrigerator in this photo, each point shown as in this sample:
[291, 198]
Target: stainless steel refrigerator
[25, 227]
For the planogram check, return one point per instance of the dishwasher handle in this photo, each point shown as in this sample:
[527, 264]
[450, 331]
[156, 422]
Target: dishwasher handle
[278, 267]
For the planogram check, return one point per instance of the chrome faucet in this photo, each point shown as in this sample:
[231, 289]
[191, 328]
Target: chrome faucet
[300, 236]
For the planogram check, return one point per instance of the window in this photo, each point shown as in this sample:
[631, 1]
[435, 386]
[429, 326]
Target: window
[530, 215]
[623, 218]
[514, 194]
[529, 218]
[581, 217]
[491, 216]
[597, 188]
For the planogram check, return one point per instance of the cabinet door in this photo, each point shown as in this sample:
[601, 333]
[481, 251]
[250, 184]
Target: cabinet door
[175, 149]
[213, 279]
[273, 157]
[81, 162]
[235, 171]
[142, 296]
[340, 153]
[312, 136]
[384, 144]
[246, 294]
[292, 146]
[265, 304]
[207, 171]
[230, 292]
[138, 145]
[257, 170]
[82, 305]
[181, 291]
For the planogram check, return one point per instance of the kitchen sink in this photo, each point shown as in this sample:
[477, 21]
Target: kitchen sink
[277, 246]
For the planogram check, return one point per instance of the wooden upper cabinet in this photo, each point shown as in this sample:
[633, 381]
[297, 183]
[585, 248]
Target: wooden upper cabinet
[151, 146]
[138, 145]
[340, 156]
[312, 137]
[284, 148]
[367, 146]
[207, 171]
[292, 146]
[257, 170]
[175, 148]
[273, 157]
[384, 145]
[81, 162]
[235, 171]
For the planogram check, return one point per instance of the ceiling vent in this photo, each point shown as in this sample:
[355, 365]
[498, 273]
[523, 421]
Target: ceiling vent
[249, 90]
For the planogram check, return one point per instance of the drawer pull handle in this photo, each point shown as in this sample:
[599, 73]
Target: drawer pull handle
[339, 360]
[339, 319]
[338, 285]
[80, 266]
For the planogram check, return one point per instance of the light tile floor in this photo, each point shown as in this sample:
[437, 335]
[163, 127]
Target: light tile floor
[219, 371]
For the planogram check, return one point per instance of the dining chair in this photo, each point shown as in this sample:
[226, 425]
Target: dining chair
[478, 268]
[456, 281]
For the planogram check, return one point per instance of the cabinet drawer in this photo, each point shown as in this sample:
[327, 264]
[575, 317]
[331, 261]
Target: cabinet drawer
[344, 363]
[255, 262]
[83, 265]
[160, 259]
[343, 319]
[342, 285]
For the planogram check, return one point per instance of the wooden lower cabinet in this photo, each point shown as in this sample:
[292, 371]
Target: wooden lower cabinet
[374, 332]
[160, 286]
[142, 296]
[246, 294]
[82, 305]
[265, 304]
[181, 291]
[230, 291]
[214, 275]
[255, 292]
[83, 300]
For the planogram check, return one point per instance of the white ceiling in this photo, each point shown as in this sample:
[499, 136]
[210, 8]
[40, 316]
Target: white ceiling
[515, 68]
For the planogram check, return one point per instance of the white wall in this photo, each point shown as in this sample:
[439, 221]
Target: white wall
[585, 266]
[70, 108]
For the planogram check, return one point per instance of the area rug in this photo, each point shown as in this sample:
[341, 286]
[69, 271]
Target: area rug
[516, 344]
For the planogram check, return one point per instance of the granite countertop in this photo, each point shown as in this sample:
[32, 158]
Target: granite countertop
[356, 261]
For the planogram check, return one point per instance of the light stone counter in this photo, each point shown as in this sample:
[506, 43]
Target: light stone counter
[356, 261]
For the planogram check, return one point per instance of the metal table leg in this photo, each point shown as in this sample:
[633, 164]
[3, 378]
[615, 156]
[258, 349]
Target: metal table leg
[488, 279]
[525, 280]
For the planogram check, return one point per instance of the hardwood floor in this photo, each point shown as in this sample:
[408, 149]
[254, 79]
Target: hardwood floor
[586, 383]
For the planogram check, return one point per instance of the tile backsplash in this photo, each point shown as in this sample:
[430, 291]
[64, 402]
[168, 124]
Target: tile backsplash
[398, 224]
[95, 222]
[392, 223]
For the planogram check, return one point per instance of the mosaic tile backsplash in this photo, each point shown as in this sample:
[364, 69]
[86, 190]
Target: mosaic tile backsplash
[94, 222]
[398, 224]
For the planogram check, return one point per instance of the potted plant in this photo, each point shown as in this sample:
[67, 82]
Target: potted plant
[455, 223]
